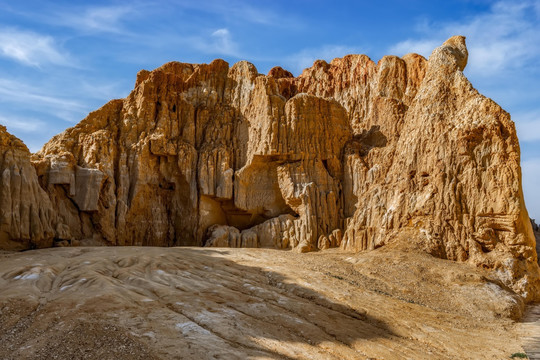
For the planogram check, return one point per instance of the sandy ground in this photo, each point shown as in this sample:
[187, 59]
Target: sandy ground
[197, 303]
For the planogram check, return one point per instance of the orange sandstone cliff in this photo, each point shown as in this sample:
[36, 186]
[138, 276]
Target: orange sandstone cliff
[351, 154]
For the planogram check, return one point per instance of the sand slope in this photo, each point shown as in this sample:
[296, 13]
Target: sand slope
[193, 303]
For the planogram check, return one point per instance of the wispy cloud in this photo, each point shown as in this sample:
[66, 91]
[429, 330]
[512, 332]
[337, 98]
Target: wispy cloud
[218, 42]
[506, 37]
[84, 18]
[28, 128]
[102, 19]
[103, 91]
[15, 92]
[223, 42]
[240, 11]
[31, 49]
[26, 125]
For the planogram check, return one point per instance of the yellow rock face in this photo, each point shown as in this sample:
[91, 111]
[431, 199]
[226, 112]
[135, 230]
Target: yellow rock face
[351, 154]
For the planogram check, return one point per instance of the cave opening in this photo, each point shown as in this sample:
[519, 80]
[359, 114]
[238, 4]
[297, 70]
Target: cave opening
[218, 211]
[224, 212]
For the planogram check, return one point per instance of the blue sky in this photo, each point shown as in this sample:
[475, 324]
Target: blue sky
[60, 60]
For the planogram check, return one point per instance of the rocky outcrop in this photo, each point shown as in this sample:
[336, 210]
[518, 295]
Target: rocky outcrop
[350, 153]
[196, 146]
[26, 214]
[432, 155]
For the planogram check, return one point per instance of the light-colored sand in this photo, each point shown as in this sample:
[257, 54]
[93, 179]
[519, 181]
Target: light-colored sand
[192, 303]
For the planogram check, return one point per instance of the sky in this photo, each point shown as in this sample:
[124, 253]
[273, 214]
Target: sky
[60, 60]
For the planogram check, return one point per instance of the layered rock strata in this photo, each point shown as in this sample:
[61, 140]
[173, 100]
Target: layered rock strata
[350, 153]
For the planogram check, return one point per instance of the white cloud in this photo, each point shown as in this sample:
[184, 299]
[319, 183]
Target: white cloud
[505, 38]
[531, 173]
[224, 43]
[218, 42]
[31, 49]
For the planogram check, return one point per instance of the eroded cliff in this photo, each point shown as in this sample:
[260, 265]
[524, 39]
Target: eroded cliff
[353, 154]
[26, 213]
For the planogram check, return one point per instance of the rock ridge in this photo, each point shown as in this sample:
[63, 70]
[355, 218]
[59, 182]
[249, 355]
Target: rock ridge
[352, 154]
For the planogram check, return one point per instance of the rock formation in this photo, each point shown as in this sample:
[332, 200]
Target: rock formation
[26, 213]
[353, 154]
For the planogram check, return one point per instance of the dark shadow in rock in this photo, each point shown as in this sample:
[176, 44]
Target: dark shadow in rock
[368, 140]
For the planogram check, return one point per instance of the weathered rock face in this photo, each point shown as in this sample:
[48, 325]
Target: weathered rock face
[26, 214]
[195, 146]
[352, 154]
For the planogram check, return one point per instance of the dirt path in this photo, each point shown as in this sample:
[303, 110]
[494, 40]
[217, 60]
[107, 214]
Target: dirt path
[191, 303]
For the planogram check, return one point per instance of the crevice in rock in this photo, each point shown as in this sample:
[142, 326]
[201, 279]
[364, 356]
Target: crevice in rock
[361, 144]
